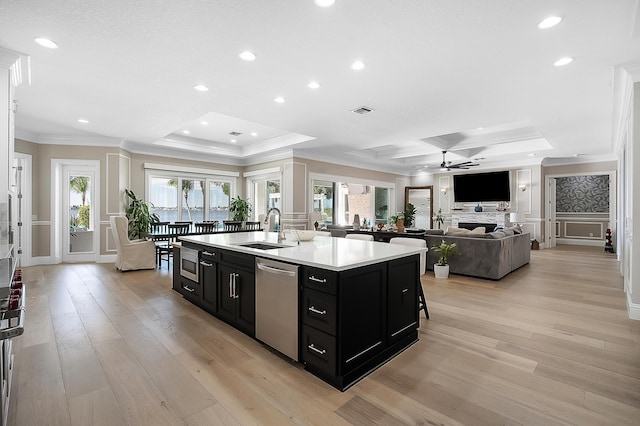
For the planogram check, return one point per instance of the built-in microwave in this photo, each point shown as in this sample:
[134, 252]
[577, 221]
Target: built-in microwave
[189, 263]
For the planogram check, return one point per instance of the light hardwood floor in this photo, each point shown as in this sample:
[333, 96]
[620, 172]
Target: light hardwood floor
[549, 344]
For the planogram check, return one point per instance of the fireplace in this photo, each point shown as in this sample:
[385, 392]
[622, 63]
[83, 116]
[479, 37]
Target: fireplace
[489, 227]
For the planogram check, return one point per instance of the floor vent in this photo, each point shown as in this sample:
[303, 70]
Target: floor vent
[362, 110]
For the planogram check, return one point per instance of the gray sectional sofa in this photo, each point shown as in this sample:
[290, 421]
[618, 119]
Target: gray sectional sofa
[492, 255]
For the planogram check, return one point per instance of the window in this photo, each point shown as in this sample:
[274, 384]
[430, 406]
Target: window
[264, 193]
[219, 198]
[323, 200]
[367, 201]
[183, 198]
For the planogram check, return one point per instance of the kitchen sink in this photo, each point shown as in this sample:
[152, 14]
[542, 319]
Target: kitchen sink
[262, 245]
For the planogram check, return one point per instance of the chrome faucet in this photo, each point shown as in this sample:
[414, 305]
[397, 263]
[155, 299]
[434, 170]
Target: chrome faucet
[279, 223]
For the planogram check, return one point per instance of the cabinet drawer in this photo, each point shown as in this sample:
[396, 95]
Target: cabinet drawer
[321, 279]
[319, 350]
[319, 310]
[190, 289]
[209, 255]
[236, 259]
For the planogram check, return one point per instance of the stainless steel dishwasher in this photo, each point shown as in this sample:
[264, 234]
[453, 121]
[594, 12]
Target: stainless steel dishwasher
[277, 305]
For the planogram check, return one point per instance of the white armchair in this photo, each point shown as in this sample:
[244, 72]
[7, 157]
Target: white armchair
[132, 254]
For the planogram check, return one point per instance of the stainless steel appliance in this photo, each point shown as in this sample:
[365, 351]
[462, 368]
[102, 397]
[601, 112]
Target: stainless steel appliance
[277, 305]
[189, 263]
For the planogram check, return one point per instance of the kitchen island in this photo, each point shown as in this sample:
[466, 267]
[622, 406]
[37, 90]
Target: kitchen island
[353, 304]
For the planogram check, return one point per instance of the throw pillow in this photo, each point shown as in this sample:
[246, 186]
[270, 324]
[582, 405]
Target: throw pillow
[497, 235]
[478, 230]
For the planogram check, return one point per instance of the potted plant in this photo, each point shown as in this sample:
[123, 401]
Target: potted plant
[446, 250]
[398, 221]
[239, 209]
[439, 218]
[139, 217]
[409, 215]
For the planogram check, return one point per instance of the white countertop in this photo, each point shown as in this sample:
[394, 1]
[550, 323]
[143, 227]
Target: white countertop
[336, 254]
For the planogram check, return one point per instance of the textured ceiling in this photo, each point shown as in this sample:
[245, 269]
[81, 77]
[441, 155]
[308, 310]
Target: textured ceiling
[474, 78]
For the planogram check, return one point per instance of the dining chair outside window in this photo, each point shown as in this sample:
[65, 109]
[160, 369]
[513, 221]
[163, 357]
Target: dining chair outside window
[174, 231]
[206, 227]
[252, 226]
[160, 236]
[231, 225]
[184, 223]
[416, 242]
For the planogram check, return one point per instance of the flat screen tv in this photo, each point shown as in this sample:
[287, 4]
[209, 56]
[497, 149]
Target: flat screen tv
[477, 187]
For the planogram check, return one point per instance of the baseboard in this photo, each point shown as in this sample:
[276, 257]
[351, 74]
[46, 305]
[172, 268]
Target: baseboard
[575, 242]
[42, 260]
[633, 309]
[48, 260]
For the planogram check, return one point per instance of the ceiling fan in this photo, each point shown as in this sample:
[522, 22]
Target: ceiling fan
[446, 165]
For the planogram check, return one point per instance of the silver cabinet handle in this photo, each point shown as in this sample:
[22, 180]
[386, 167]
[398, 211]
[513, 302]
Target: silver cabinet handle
[231, 286]
[318, 280]
[206, 253]
[235, 290]
[315, 311]
[203, 263]
[320, 351]
[189, 289]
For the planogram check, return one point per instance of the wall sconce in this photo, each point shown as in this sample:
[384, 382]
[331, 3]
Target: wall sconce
[522, 187]
[443, 191]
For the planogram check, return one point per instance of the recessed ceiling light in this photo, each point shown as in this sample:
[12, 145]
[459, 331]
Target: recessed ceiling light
[234, 140]
[247, 56]
[201, 88]
[314, 85]
[562, 62]
[254, 134]
[279, 100]
[324, 3]
[186, 132]
[204, 123]
[549, 22]
[45, 42]
[82, 120]
[357, 65]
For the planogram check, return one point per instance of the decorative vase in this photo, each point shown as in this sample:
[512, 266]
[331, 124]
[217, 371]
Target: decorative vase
[478, 208]
[356, 222]
[400, 225]
[441, 271]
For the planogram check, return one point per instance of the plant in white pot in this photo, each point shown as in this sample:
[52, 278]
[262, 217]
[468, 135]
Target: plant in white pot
[446, 250]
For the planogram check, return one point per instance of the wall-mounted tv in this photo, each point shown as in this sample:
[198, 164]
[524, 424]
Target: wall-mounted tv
[477, 187]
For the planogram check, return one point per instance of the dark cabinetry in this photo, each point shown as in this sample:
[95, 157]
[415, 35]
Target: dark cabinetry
[348, 324]
[237, 290]
[208, 264]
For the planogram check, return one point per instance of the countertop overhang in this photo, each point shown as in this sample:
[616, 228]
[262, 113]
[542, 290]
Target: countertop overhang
[336, 254]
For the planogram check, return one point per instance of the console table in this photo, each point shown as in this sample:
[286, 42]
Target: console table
[480, 218]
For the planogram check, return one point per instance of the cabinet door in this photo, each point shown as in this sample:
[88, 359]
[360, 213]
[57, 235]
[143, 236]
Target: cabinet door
[362, 301]
[246, 309]
[226, 300]
[403, 281]
[209, 281]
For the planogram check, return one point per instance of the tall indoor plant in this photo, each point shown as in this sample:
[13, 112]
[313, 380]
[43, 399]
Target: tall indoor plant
[139, 217]
[409, 215]
[446, 250]
[239, 209]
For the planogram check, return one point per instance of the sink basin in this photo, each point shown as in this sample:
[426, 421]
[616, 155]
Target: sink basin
[262, 245]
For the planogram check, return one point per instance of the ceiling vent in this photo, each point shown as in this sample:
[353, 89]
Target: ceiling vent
[235, 133]
[362, 110]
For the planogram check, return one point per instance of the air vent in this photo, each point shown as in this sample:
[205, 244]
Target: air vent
[362, 110]
[235, 133]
